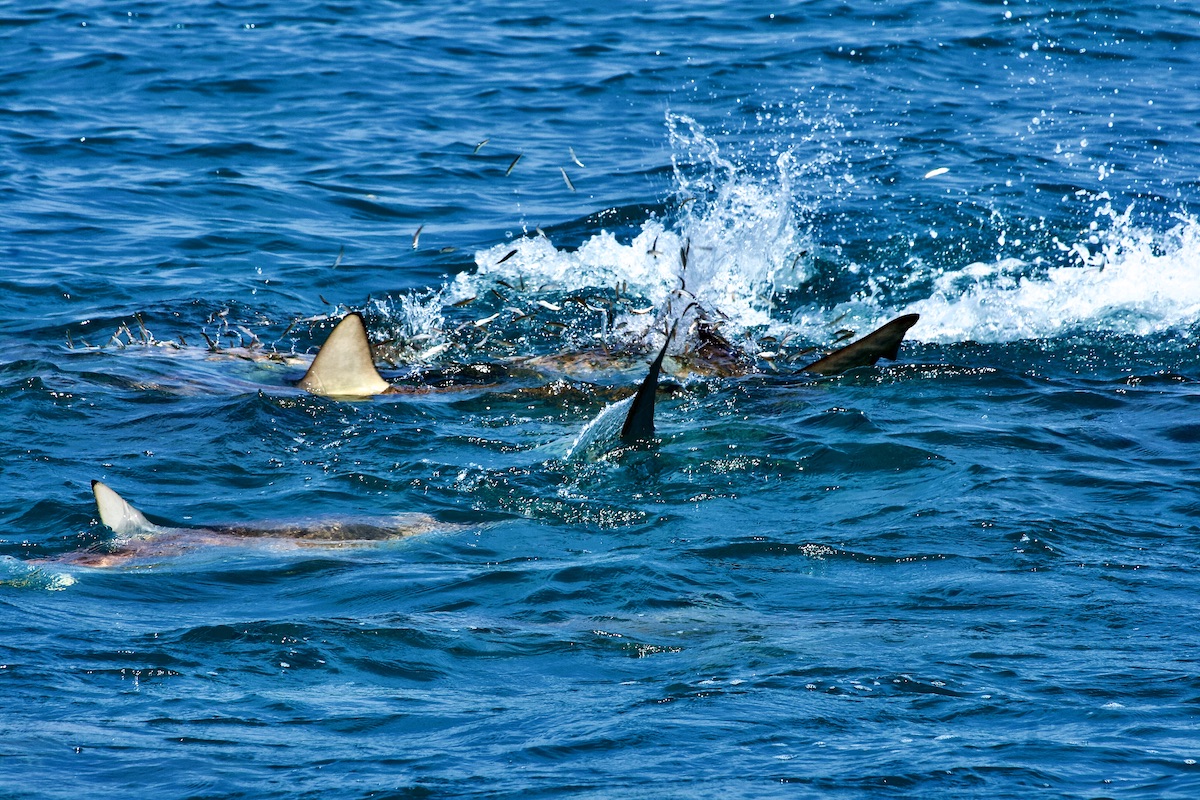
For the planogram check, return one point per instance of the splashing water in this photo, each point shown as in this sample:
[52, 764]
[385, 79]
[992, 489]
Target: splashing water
[1125, 279]
[738, 244]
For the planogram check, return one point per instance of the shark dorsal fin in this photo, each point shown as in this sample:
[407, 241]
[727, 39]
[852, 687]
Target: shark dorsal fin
[639, 422]
[883, 342]
[123, 519]
[344, 366]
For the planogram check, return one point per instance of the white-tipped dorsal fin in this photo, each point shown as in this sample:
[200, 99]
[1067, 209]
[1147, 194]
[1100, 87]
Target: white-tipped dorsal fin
[122, 518]
[344, 366]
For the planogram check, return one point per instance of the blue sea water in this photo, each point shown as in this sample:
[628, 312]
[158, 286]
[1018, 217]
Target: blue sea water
[968, 573]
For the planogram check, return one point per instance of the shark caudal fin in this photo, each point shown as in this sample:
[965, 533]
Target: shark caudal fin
[883, 342]
[344, 366]
[639, 422]
[123, 519]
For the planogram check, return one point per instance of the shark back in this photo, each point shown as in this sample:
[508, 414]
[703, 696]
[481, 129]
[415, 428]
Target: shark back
[884, 342]
[345, 366]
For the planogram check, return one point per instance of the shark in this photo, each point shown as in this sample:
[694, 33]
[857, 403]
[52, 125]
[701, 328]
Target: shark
[136, 539]
[344, 367]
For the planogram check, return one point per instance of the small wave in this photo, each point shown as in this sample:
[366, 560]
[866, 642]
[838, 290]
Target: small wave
[19, 574]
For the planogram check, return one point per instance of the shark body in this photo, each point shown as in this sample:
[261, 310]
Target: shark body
[137, 539]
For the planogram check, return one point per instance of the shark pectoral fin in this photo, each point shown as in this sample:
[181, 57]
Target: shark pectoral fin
[123, 519]
[884, 342]
[344, 366]
[639, 422]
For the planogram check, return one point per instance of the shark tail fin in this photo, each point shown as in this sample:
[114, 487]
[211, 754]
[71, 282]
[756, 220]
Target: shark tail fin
[883, 342]
[345, 366]
[639, 422]
[122, 518]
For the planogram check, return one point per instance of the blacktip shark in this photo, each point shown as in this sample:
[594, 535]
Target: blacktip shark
[638, 423]
[136, 538]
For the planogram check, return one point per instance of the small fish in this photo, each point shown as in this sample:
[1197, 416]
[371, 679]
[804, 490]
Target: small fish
[641, 311]
[465, 302]
[337, 262]
[508, 171]
[505, 284]
[417, 237]
[566, 178]
[575, 158]
[510, 254]
[933, 173]
[479, 323]
[323, 300]
[559, 325]
[433, 352]
[549, 306]
[654, 251]
[499, 296]
[447, 250]
[479, 146]
[843, 335]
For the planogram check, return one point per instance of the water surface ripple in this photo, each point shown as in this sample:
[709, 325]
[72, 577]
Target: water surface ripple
[969, 573]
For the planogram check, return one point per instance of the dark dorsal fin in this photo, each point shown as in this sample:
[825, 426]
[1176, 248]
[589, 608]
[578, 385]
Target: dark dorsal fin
[884, 342]
[639, 422]
[344, 366]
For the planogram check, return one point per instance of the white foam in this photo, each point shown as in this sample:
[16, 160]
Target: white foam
[1124, 279]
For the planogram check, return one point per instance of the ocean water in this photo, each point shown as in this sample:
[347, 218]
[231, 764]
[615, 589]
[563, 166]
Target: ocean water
[971, 572]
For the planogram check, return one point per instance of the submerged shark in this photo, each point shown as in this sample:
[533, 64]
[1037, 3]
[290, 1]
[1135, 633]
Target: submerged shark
[137, 539]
